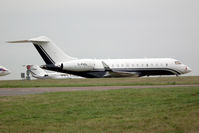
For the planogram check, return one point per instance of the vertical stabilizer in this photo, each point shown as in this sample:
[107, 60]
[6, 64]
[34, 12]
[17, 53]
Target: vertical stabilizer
[50, 53]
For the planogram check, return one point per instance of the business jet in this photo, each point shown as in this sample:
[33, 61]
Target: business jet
[39, 73]
[4, 71]
[57, 60]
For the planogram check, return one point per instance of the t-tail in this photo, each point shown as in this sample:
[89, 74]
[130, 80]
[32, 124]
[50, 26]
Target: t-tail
[36, 71]
[51, 54]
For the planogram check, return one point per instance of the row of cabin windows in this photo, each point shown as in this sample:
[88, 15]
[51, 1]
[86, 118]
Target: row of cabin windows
[139, 65]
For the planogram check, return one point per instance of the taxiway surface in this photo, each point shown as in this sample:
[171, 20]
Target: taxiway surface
[25, 91]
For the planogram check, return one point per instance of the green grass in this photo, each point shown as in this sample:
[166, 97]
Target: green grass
[100, 82]
[154, 110]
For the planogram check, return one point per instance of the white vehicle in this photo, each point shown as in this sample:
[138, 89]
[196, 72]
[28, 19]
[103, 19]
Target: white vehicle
[57, 60]
[4, 71]
[39, 73]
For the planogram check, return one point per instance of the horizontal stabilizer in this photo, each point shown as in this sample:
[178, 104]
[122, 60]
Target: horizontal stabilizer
[41, 39]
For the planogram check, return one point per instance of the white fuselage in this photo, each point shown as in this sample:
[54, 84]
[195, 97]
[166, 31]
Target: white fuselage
[39, 73]
[52, 76]
[56, 75]
[4, 71]
[141, 66]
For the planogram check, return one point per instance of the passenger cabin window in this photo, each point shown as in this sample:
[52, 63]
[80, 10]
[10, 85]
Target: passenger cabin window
[147, 65]
[166, 64]
[177, 63]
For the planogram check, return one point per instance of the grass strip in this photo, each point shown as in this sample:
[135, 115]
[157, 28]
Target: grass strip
[152, 110]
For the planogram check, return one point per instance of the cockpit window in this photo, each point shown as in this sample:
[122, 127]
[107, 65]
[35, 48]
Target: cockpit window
[178, 62]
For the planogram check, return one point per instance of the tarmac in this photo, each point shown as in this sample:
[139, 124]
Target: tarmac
[26, 91]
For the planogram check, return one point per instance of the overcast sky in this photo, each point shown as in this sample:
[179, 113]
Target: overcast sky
[100, 29]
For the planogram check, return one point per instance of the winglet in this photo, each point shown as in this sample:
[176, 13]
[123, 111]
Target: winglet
[106, 67]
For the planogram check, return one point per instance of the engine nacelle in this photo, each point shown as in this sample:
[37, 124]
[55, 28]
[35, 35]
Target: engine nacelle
[78, 65]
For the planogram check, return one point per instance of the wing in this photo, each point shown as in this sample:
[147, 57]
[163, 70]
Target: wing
[113, 73]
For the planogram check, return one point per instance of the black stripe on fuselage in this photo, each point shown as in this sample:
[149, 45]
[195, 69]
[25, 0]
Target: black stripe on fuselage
[44, 54]
[100, 72]
[148, 69]
[32, 72]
